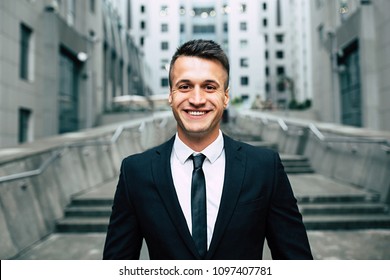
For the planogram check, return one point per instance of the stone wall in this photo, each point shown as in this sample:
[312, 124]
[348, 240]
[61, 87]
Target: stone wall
[351, 155]
[30, 206]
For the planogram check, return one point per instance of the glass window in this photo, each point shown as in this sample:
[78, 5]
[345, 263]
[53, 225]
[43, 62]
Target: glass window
[24, 124]
[143, 9]
[164, 82]
[265, 22]
[142, 24]
[203, 29]
[92, 6]
[279, 54]
[164, 45]
[243, 44]
[279, 38]
[280, 70]
[243, 26]
[244, 62]
[164, 27]
[244, 80]
[25, 49]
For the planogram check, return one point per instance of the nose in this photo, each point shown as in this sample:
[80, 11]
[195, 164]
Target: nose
[197, 97]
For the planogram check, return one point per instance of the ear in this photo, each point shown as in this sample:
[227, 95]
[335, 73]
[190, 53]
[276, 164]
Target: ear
[170, 98]
[226, 98]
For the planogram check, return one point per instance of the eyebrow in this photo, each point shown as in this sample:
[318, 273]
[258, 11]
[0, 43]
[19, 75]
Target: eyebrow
[189, 81]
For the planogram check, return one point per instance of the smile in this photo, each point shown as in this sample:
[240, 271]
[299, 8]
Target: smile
[196, 113]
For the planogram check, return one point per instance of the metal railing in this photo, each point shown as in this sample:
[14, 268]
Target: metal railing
[60, 150]
[384, 143]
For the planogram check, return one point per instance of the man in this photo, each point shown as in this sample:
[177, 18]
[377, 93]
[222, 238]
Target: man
[223, 209]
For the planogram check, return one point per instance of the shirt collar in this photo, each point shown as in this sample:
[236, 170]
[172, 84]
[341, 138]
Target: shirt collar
[212, 151]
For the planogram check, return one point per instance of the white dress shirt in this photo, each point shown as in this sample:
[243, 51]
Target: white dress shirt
[214, 172]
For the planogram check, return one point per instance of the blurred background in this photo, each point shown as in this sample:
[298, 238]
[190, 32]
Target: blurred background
[76, 71]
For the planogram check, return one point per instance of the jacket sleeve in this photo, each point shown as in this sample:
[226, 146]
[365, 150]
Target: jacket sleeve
[286, 234]
[124, 239]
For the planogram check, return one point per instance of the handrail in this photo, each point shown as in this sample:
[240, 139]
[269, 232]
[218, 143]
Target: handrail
[56, 154]
[34, 172]
[385, 144]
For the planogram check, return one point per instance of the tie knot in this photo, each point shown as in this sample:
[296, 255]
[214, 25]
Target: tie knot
[198, 160]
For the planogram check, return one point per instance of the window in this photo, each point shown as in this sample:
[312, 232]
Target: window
[164, 27]
[267, 71]
[265, 22]
[92, 6]
[164, 45]
[164, 82]
[244, 80]
[225, 27]
[142, 9]
[165, 64]
[24, 125]
[182, 28]
[278, 14]
[71, 12]
[267, 87]
[266, 38]
[141, 41]
[266, 55]
[281, 86]
[203, 29]
[164, 11]
[243, 44]
[279, 38]
[142, 24]
[264, 6]
[280, 70]
[244, 62]
[243, 26]
[25, 52]
[279, 54]
[243, 8]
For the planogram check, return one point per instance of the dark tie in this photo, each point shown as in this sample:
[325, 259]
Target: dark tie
[198, 205]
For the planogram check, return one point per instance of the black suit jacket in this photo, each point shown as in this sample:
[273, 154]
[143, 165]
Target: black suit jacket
[257, 203]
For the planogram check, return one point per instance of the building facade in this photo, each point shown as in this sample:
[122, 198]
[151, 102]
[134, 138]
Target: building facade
[351, 62]
[62, 63]
[256, 34]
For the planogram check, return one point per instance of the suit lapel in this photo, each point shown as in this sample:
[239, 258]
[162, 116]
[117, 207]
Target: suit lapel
[163, 179]
[234, 174]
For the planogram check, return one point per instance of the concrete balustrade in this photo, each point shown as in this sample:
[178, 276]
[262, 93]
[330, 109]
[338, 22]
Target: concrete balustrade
[339, 155]
[30, 206]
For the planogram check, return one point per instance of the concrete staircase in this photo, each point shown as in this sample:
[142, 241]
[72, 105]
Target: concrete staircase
[344, 212]
[325, 204]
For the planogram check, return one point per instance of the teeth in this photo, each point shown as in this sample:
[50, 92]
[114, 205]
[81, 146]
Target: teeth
[196, 113]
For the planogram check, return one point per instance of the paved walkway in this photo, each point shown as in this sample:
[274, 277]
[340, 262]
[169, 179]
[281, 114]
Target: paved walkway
[344, 245]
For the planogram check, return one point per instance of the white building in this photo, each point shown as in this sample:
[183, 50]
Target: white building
[259, 36]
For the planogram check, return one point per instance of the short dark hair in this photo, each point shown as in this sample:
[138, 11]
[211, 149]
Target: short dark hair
[206, 49]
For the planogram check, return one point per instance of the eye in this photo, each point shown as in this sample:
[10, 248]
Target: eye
[210, 87]
[184, 87]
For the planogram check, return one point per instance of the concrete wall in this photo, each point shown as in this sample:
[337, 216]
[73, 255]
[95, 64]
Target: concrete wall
[365, 165]
[29, 207]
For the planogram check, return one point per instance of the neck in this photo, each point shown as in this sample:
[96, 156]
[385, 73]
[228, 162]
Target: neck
[198, 142]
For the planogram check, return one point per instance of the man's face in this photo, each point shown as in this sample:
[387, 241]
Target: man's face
[198, 97]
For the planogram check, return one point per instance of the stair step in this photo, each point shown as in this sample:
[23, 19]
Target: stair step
[82, 225]
[337, 198]
[88, 211]
[90, 201]
[346, 222]
[298, 169]
[338, 208]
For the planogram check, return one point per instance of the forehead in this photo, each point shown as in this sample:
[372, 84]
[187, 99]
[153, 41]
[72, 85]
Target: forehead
[190, 67]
